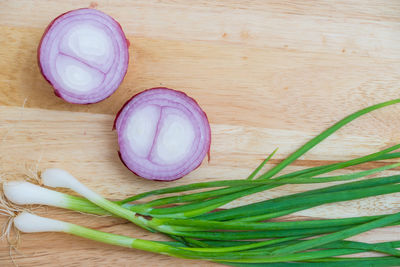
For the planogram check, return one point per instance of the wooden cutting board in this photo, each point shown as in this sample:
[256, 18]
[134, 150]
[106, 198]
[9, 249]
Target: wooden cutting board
[268, 74]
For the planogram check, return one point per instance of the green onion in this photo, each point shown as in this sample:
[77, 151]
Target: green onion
[27, 222]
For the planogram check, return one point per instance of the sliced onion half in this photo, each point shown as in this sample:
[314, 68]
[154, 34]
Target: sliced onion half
[163, 134]
[84, 55]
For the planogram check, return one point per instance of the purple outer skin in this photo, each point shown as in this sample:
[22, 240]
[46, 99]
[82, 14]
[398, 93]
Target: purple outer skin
[56, 93]
[126, 103]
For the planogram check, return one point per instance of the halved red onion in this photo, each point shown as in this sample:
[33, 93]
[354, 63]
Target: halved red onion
[84, 55]
[163, 134]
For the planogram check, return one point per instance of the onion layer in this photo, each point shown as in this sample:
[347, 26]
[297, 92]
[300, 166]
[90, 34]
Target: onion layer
[163, 134]
[84, 55]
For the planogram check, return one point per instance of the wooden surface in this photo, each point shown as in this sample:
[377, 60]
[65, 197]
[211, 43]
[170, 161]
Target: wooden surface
[268, 74]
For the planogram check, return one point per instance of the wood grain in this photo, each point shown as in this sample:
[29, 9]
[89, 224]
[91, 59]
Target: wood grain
[268, 74]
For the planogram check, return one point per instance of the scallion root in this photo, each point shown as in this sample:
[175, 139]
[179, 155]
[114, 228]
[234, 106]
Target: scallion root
[9, 210]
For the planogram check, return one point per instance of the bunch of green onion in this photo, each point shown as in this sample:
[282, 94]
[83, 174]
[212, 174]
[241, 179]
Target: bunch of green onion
[240, 236]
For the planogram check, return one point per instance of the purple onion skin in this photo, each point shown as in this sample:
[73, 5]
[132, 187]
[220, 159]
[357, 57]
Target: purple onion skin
[191, 169]
[56, 91]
